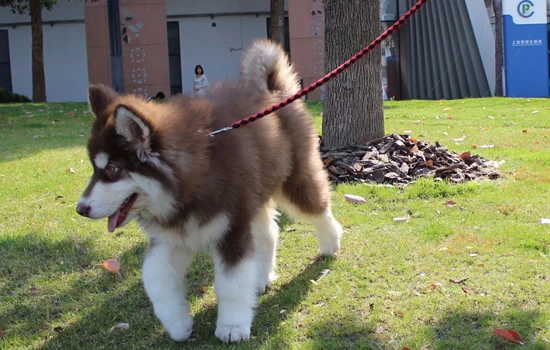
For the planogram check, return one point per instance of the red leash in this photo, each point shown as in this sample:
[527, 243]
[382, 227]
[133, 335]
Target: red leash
[327, 77]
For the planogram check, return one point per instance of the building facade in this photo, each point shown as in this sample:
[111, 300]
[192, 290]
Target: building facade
[146, 46]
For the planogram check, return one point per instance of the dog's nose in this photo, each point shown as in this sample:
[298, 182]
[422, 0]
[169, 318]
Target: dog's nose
[83, 209]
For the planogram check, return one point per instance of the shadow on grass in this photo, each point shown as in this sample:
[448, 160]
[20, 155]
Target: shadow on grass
[473, 330]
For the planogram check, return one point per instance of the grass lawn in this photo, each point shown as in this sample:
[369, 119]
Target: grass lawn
[389, 287]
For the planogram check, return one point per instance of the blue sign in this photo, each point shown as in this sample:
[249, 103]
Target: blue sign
[526, 48]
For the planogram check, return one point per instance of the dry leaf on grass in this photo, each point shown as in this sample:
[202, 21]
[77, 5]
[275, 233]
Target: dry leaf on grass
[354, 199]
[509, 334]
[432, 286]
[474, 146]
[450, 203]
[459, 281]
[2, 332]
[204, 289]
[112, 265]
[524, 131]
[467, 291]
[465, 155]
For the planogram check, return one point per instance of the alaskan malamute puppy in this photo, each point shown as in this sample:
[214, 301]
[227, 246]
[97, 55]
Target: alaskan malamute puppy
[156, 163]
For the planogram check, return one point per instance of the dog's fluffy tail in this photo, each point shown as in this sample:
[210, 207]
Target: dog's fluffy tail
[265, 65]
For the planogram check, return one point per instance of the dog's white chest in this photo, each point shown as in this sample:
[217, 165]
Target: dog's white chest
[194, 236]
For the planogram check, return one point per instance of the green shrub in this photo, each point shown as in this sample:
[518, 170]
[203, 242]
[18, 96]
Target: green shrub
[10, 97]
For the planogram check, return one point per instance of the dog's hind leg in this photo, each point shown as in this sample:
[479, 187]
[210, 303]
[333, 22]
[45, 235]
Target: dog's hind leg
[163, 277]
[266, 232]
[306, 196]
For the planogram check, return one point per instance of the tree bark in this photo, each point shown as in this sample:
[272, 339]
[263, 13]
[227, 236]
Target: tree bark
[353, 111]
[499, 59]
[278, 21]
[38, 79]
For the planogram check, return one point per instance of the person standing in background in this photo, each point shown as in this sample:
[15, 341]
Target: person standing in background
[200, 83]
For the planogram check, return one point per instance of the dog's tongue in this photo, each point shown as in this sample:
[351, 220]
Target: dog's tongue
[113, 219]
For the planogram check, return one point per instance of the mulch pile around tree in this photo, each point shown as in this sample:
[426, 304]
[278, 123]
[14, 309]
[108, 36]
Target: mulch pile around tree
[400, 159]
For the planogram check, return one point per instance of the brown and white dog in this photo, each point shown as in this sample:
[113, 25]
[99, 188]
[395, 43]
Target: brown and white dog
[189, 192]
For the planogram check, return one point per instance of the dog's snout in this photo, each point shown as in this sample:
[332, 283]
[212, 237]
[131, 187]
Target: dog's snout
[83, 209]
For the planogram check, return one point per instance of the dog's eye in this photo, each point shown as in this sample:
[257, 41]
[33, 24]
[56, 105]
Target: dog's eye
[112, 172]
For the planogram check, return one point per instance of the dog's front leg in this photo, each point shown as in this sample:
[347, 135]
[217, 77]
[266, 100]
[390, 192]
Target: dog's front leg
[235, 283]
[164, 280]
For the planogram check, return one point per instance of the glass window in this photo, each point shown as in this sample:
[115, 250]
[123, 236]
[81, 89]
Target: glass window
[388, 10]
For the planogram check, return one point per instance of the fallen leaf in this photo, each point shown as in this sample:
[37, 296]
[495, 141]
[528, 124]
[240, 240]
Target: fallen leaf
[524, 131]
[328, 160]
[2, 332]
[414, 140]
[459, 281]
[481, 265]
[69, 113]
[122, 325]
[59, 197]
[465, 155]
[429, 163]
[204, 289]
[399, 314]
[508, 334]
[545, 221]
[414, 149]
[450, 203]
[405, 348]
[432, 286]
[355, 199]
[112, 265]
[474, 146]
[467, 291]
[450, 117]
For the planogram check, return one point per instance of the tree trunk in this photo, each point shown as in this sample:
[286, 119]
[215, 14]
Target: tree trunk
[278, 21]
[499, 60]
[353, 111]
[38, 79]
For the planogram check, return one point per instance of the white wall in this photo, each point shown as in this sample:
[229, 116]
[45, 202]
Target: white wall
[200, 43]
[180, 7]
[65, 61]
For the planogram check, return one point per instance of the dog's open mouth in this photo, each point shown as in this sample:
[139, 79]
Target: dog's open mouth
[120, 215]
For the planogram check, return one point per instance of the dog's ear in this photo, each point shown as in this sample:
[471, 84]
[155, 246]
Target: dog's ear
[135, 131]
[99, 98]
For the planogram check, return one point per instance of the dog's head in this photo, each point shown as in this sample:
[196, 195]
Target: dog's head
[129, 172]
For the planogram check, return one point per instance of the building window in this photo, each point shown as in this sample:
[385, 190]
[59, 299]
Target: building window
[174, 57]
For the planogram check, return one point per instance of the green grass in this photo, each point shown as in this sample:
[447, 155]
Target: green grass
[54, 293]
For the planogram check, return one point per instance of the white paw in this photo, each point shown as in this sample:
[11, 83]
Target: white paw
[266, 282]
[181, 329]
[233, 333]
[330, 249]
